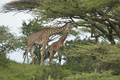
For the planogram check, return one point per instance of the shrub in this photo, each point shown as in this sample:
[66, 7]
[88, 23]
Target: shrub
[3, 60]
[91, 57]
[93, 76]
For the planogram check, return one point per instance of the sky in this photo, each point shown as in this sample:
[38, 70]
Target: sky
[14, 22]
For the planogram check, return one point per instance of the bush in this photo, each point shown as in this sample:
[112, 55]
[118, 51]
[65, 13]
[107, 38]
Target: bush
[3, 60]
[54, 71]
[17, 71]
[92, 57]
[93, 76]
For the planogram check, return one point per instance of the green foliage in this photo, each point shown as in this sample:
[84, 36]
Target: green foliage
[103, 15]
[93, 76]
[76, 62]
[70, 8]
[82, 56]
[4, 62]
[8, 43]
[17, 71]
[31, 27]
[62, 4]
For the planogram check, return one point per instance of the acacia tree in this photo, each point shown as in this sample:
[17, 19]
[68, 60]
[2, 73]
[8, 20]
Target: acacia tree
[98, 15]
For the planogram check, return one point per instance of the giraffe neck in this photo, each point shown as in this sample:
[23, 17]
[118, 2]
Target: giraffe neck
[58, 30]
[62, 39]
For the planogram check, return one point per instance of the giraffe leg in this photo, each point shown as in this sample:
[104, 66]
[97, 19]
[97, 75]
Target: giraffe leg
[26, 52]
[51, 54]
[59, 58]
[32, 50]
[42, 54]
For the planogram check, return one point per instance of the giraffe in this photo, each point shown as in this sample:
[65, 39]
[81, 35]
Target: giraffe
[42, 37]
[54, 47]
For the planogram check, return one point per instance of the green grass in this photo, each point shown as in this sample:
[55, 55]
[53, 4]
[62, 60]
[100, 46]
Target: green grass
[17, 71]
[93, 76]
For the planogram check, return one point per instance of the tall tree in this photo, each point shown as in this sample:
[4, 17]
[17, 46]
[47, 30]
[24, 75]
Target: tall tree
[101, 15]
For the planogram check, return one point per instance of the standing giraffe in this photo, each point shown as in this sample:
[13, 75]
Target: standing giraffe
[54, 47]
[42, 37]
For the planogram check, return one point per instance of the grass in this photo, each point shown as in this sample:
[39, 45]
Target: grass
[17, 71]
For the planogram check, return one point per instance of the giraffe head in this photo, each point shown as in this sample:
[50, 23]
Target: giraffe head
[70, 26]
